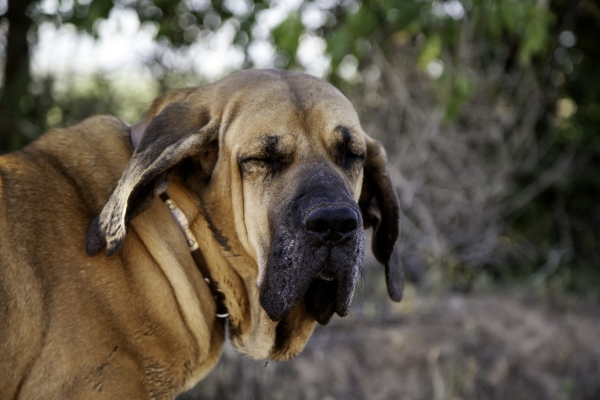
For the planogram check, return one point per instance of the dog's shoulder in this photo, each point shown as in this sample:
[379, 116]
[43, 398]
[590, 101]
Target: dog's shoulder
[67, 172]
[89, 157]
[96, 139]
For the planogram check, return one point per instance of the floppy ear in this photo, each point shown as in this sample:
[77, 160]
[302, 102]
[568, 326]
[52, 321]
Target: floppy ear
[380, 209]
[176, 133]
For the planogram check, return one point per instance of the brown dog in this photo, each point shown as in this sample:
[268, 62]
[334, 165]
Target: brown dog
[276, 179]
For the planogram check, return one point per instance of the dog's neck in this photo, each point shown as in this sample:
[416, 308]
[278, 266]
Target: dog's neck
[252, 332]
[136, 133]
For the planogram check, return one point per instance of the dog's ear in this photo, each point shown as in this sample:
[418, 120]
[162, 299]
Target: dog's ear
[177, 133]
[380, 209]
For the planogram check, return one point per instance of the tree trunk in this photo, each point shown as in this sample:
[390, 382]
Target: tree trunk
[16, 76]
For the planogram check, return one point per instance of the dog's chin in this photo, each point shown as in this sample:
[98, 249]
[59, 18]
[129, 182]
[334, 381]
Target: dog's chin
[323, 278]
[322, 300]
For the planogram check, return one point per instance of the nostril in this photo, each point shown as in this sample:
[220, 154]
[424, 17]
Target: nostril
[331, 222]
[349, 225]
[317, 225]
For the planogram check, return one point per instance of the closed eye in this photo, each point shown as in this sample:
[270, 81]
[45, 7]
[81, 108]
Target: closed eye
[262, 164]
[267, 153]
[351, 157]
[349, 154]
[259, 159]
[351, 160]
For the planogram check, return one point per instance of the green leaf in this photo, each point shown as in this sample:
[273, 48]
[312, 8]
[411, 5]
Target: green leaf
[287, 35]
[535, 36]
[338, 45]
[410, 11]
[462, 89]
[363, 22]
[512, 13]
[431, 51]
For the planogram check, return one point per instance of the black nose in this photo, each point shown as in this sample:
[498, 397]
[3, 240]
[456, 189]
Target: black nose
[331, 223]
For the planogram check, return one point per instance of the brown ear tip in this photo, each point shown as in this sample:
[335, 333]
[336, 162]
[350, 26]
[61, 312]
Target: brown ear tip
[94, 241]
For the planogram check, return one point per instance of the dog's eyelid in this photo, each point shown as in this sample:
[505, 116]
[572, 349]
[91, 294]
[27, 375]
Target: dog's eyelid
[349, 143]
[265, 156]
[345, 131]
[358, 155]
[351, 150]
[255, 159]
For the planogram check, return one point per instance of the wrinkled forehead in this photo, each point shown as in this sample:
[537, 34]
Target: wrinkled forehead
[308, 109]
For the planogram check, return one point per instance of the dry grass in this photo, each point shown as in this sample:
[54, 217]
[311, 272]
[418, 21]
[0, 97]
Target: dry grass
[492, 346]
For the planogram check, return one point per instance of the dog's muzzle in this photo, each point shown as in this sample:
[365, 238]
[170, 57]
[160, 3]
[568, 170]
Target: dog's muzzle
[316, 250]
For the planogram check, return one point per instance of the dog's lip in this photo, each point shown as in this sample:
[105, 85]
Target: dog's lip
[324, 298]
[320, 300]
[326, 275]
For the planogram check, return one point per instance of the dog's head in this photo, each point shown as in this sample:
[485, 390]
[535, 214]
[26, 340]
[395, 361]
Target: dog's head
[283, 172]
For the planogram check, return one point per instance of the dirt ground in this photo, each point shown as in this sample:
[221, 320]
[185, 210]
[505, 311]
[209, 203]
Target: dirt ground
[508, 345]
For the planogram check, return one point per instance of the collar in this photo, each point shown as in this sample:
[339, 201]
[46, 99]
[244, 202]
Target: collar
[137, 130]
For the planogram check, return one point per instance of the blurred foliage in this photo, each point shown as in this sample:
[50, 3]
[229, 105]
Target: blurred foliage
[554, 41]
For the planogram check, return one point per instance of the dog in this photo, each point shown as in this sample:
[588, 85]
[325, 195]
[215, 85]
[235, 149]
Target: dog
[272, 182]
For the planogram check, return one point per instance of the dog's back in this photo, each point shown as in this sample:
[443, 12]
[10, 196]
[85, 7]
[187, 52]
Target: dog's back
[45, 206]
[21, 295]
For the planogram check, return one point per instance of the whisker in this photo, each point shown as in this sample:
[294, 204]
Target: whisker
[362, 284]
